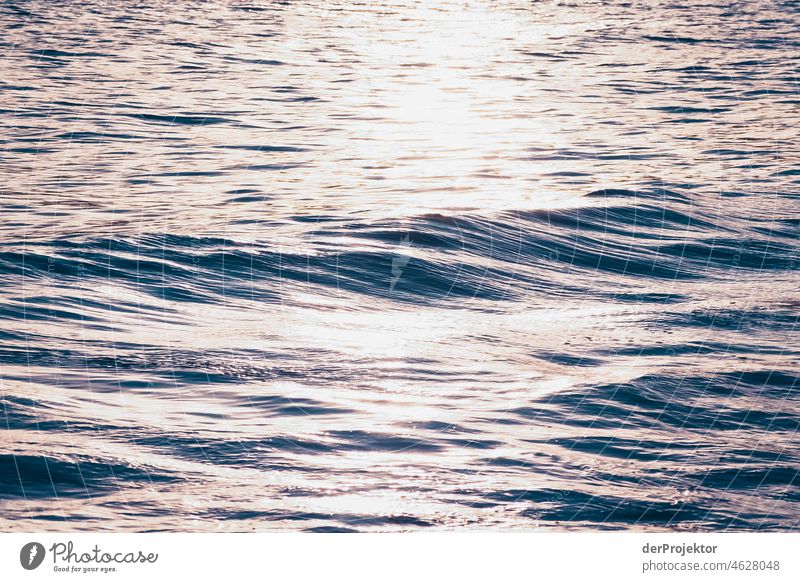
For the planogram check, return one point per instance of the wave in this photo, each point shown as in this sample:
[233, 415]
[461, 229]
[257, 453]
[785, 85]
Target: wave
[37, 477]
[443, 256]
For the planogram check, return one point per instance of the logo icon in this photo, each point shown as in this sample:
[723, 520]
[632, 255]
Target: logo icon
[31, 555]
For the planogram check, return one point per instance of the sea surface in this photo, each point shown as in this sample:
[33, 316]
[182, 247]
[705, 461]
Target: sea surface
[399, 266]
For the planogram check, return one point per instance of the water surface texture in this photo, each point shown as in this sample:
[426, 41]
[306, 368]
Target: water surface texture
[347, 266]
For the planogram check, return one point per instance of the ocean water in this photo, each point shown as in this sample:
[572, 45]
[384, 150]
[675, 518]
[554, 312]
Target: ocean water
[399, 266]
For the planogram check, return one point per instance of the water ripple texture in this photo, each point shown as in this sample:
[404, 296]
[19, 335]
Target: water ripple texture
[393, 266]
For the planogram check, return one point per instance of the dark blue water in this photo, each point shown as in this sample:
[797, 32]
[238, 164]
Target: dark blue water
[398, 266]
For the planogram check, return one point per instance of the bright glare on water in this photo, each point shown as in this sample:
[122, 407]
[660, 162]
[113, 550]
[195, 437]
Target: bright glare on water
[381, 266]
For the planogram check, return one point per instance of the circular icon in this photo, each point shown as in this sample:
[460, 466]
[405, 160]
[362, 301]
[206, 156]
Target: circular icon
[31, 555]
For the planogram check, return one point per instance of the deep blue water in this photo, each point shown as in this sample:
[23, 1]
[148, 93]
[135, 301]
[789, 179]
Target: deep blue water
[335, 266]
